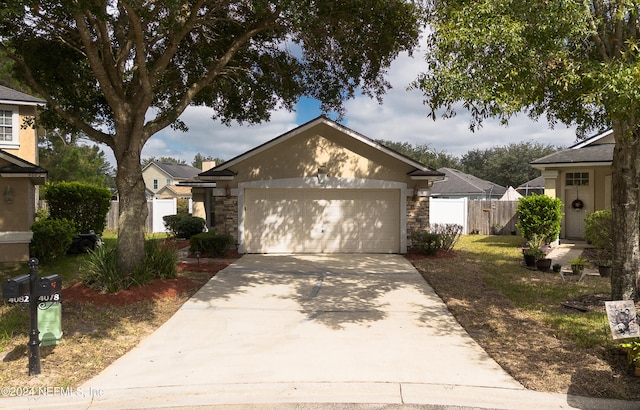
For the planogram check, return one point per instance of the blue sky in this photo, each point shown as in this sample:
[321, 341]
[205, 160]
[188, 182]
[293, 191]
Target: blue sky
[402, 117]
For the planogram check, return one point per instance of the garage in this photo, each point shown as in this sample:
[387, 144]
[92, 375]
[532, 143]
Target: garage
[293, 220]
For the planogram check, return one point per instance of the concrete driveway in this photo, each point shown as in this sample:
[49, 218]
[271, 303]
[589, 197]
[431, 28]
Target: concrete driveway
[272, 330]
[339, 327]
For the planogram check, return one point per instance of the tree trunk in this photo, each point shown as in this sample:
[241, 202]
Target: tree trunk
[625, 197]
[133, 212]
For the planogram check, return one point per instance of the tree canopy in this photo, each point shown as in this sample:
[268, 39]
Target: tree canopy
[575, 62]
[68, 160]
[505, 165]
[119, 71]
[423, 154]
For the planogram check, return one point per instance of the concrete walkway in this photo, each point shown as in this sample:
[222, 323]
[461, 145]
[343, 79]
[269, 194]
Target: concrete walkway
[340, 331]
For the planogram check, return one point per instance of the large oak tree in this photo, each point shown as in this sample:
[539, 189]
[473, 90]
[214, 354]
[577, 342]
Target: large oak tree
[119, 71]
[577, 62]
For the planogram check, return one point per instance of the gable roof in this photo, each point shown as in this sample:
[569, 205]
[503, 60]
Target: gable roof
[596, 150]
[11, 96]
[175, 190]
[175, 171]
[421, 171]
[535, 183]
[598, 154]
[18, 167]
[458, 182]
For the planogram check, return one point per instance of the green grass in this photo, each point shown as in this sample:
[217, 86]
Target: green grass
[539, 293]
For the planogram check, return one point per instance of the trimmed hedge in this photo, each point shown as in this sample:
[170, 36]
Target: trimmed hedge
[51, 238]
[83, 204]
[426, 243]
[211, 243]
[540, 215]
[184, 225]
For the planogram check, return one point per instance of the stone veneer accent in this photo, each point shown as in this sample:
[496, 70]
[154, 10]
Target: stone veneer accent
[226, 215]
[417, 215]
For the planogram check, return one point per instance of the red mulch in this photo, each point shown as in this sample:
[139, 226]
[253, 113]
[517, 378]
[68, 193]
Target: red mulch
[158, 289]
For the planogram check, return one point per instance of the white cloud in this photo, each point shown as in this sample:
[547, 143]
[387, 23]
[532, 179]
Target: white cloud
[402, 117]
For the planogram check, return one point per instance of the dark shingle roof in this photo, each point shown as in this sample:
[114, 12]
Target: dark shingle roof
[535, 183]
[458, 182]
[591, 153]
[178, 171]
[9, 94]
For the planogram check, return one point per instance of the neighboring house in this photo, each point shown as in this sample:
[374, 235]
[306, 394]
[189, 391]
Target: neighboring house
[174, 191]
[320, 187]
[19, 173]
[535, 186]
[460, 185]
[158, 175]
[581, 177]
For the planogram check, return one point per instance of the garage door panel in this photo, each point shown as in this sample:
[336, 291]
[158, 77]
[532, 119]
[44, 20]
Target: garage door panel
[322, 220]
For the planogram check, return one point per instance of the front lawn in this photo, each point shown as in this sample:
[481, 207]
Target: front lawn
[517, 316]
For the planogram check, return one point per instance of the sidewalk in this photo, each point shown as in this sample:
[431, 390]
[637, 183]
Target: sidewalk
[568, 250]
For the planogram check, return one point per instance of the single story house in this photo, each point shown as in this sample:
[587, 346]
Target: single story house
[458, 184]
[581, 177]
[320, 187]
[19, 173]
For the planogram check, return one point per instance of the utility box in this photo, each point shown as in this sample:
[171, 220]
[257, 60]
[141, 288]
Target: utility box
[50, 323]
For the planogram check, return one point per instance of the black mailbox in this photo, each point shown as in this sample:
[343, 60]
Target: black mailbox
[48, 285]
[15, 287]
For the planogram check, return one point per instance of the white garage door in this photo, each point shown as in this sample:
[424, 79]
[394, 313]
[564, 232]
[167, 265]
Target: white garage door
[322, 220]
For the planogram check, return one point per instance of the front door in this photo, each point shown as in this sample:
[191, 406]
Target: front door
[578, 201]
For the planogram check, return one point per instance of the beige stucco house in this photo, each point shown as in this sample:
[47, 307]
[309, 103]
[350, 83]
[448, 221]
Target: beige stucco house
[161, 179]
[19, 173]
[581, 177]
[320, 187]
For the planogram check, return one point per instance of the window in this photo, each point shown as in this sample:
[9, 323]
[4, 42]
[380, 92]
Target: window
[169, 181]
[155, 184]
[577, 178]
[9, 127]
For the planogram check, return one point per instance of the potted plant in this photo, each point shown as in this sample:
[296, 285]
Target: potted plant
[604, 267]
[543, 263]
[557, 267]
[633, 354]
[533, 252]
[577, 265]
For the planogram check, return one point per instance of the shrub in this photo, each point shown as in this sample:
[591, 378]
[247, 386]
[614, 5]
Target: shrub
[160, 262]
[51, 238]
[184, 225]
[182, 206]
[101, 268]
[83, 204]
[598, 231]
[449, 234]
[540, 215]
[427, 243]
[211, 243]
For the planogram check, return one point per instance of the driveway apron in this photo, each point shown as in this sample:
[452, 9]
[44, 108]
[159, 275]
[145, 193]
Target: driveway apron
[332, 318]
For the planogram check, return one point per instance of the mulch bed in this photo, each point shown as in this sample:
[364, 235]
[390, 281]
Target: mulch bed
[158, 289]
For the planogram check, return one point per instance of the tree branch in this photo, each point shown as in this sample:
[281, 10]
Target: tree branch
[215, 69]
[110, 93]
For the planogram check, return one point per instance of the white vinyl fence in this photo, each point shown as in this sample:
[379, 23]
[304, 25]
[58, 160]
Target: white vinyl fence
[158, 208]
[486, 217]
[449, 211]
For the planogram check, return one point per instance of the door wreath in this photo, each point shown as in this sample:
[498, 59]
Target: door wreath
[577, 204]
